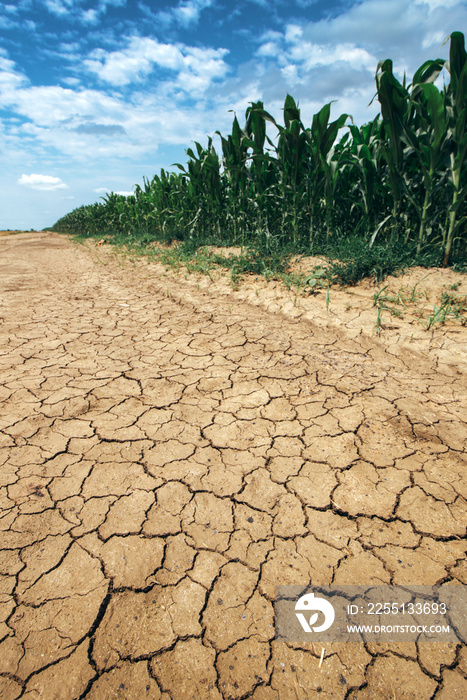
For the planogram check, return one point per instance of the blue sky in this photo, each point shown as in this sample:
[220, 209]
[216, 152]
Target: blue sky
[96, 94]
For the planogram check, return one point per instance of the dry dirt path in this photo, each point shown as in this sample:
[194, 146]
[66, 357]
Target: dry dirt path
[167, 459]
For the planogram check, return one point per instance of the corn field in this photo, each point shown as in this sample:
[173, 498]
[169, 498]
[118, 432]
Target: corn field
[400, 179]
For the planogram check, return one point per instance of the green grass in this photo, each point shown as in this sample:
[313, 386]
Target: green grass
[452, 307]
[350, 260]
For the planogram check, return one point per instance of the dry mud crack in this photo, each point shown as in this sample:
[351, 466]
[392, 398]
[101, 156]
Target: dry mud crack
[167, 458]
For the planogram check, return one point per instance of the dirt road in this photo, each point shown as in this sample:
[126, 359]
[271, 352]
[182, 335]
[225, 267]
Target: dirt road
[167, 458]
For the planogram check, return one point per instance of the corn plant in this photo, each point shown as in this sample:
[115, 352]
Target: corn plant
[400, 180]
[456, 98]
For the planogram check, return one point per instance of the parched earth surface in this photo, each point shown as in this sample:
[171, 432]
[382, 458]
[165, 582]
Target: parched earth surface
[169, 454]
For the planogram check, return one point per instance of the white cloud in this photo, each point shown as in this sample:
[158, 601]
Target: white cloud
[268, 49]
[42, 182]
[90, 16]
[107, 190]
[69, 48]
[54, 106]
[9, 15]
[433, 4]
[10, 80]
[311, 55]
[293, 33]
[5, 23]
[103, 4]
[271, 35]
[197, 67]
[72, 82]
[186, 13]
[72, 9]
[133, 63]
[290, 74]
[89, 125]
[433, 39]
[59, 7]
[389, 27]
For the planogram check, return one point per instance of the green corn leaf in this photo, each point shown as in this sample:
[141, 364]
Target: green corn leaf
[457, 59]
[428, 72]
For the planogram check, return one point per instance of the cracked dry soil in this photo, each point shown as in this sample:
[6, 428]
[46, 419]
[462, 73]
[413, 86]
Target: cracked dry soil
[167, 459]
